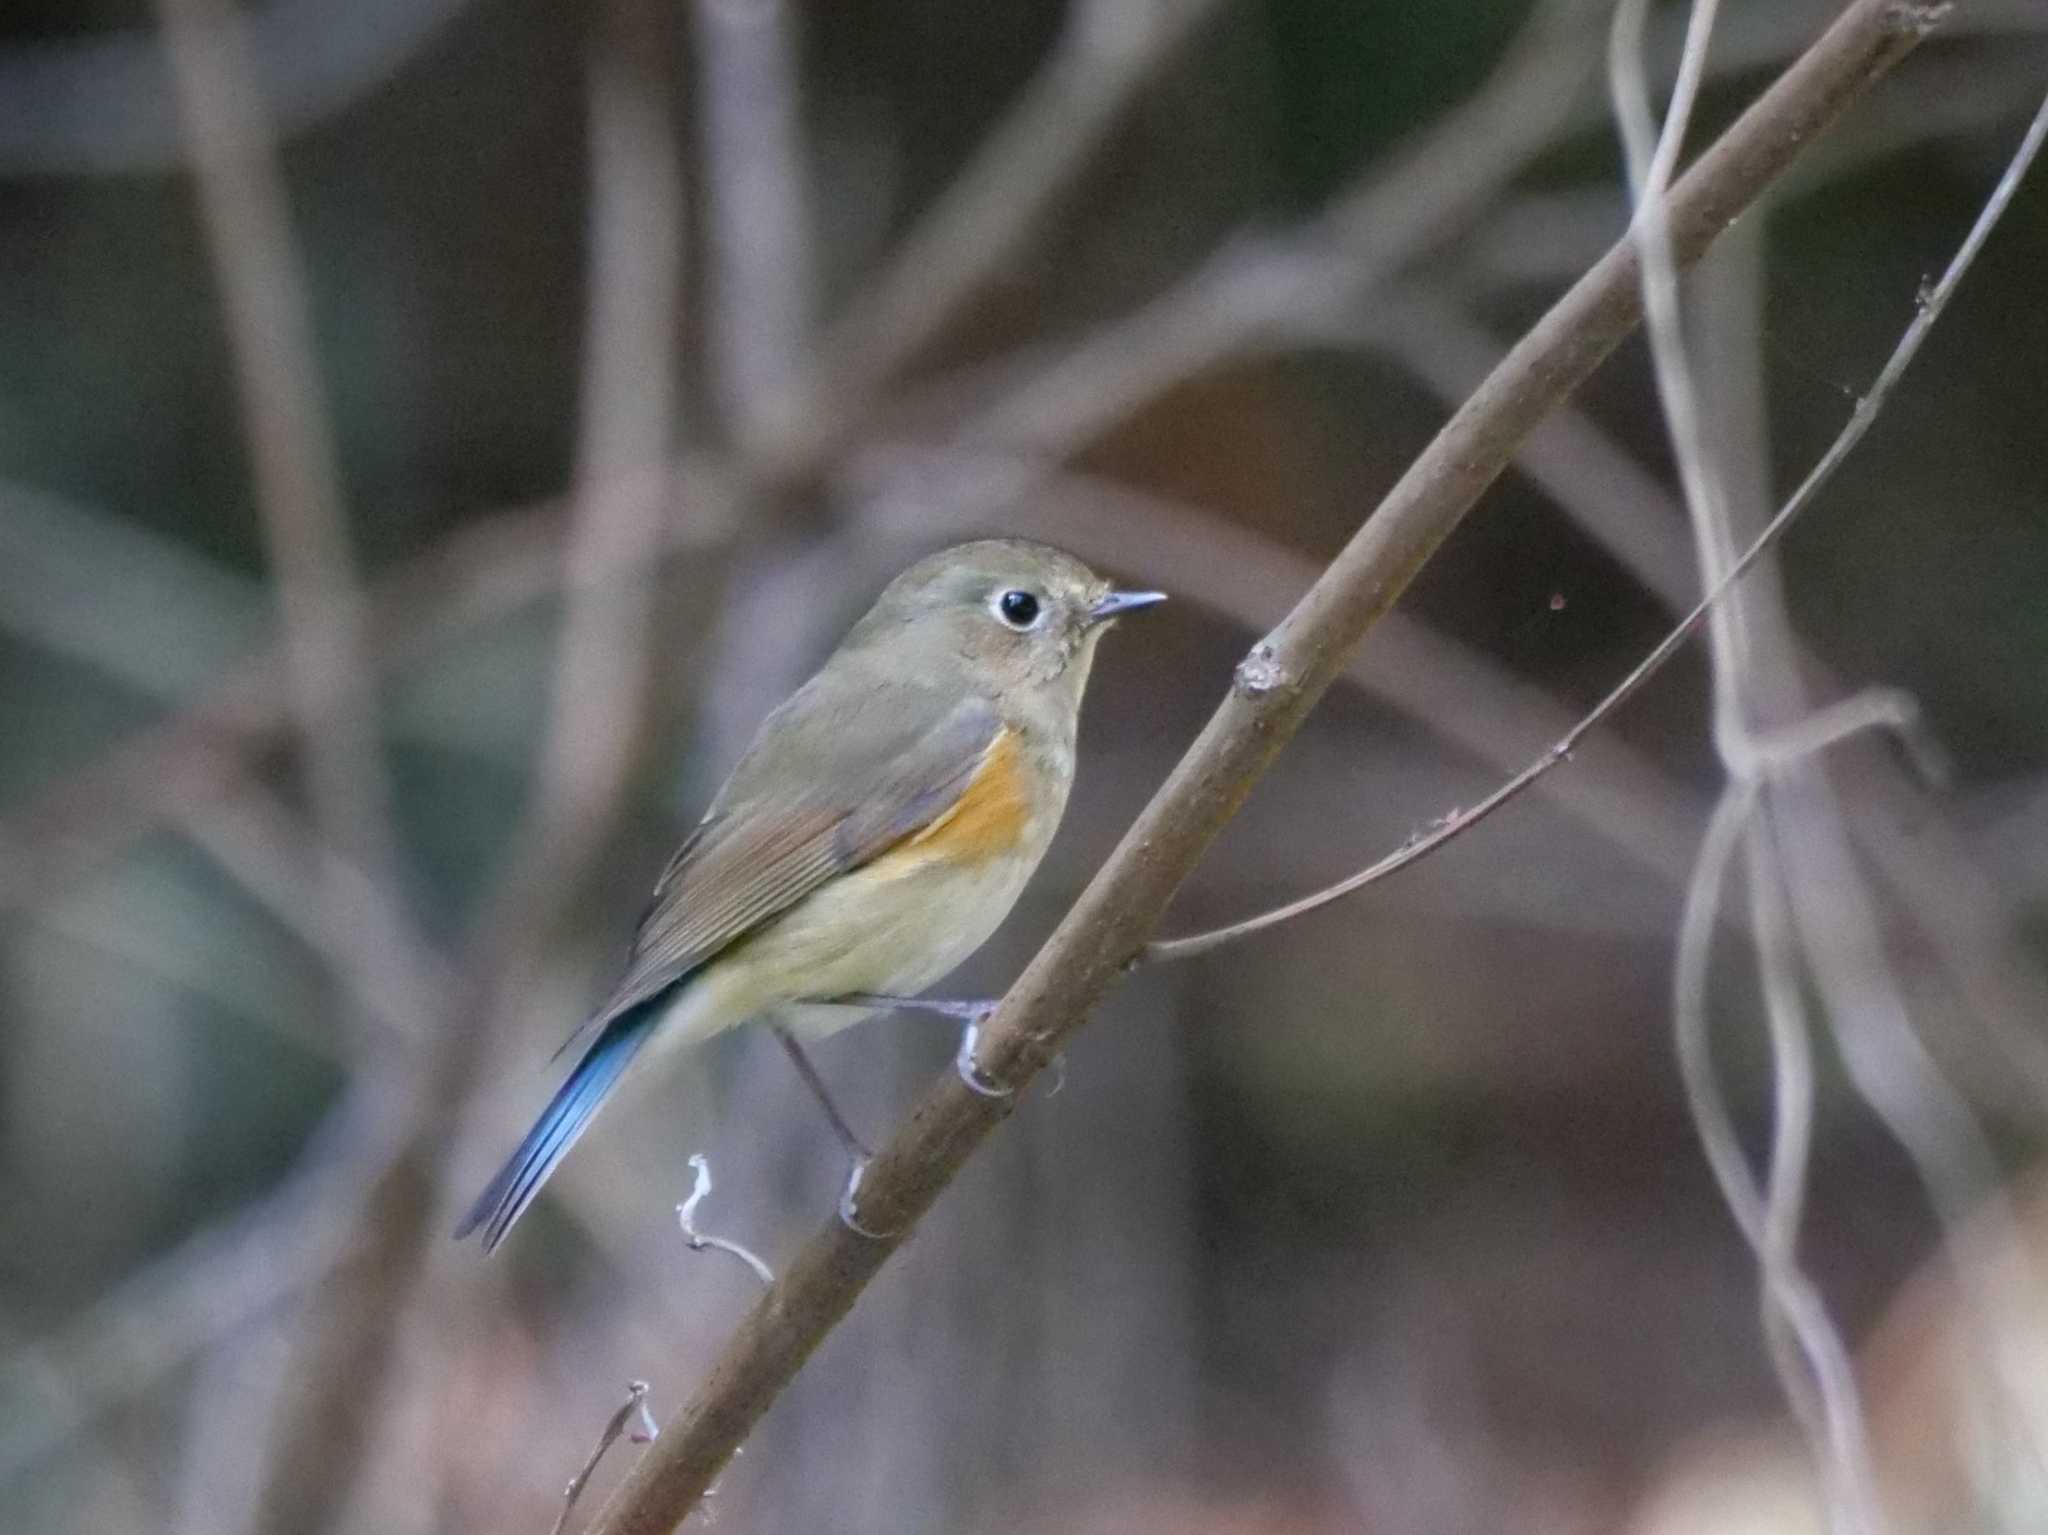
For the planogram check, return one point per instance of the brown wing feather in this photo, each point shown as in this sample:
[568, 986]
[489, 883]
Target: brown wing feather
[752, 859]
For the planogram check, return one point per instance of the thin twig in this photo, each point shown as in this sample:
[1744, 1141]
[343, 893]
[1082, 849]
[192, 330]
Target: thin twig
[1113, 48]
[598, 715]
[1604, 490]
[1109, 51]
[1830, 1411]
[1807, 1351]
[635, 1405]
[1651, 156]
[686, 1217]
[1255, 289]
[1805, 1347]
[760, 285]
[1275, 690]
[1929, 306]
[298, 479]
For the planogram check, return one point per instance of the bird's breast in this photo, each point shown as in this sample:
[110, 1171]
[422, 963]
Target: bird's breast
[903, 920]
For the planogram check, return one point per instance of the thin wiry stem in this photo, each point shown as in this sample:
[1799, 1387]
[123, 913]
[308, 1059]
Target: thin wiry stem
[1891, 1071]
[1651, 155]
[1930, 305]
[1697, 921]
[1819, 1383]
[1821, 1390]
[1784, 1194]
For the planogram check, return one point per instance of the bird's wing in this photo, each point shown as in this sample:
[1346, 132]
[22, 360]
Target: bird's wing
[866, 777]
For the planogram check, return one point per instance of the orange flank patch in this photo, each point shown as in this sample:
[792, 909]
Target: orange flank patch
[988, 819]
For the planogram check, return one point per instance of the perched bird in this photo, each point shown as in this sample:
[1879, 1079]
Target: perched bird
[880, 825]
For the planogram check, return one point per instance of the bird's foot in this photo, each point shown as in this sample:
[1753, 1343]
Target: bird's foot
[972, 1011]
[849, 1209]
[970, 1070]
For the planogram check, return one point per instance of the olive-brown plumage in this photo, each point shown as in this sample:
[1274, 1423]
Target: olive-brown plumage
[883, 821]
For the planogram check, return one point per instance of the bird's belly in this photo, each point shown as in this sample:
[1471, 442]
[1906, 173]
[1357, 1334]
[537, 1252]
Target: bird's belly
[889, 929]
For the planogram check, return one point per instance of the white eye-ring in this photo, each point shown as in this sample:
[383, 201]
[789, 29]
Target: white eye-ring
[1017, 608]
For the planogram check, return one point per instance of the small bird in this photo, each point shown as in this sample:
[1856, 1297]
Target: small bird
[878, 828]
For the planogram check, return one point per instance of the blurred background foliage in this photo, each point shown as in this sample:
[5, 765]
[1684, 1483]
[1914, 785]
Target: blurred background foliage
[1392, 1220]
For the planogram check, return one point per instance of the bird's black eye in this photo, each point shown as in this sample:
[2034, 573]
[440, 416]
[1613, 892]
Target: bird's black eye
[1017, 608]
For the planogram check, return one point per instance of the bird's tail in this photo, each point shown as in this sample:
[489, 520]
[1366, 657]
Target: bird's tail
[507, 1195]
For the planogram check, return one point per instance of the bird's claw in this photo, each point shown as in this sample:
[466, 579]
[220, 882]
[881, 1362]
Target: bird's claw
[970, 1071]
[849, 1211]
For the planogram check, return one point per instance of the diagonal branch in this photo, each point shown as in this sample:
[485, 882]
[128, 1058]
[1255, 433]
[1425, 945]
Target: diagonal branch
[1275, 688]
[1931, 304]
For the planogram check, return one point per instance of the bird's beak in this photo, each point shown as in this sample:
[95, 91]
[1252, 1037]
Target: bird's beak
[1112, 604]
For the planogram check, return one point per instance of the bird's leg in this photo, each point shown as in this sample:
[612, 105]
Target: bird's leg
[972, 1012]
[855, 1147]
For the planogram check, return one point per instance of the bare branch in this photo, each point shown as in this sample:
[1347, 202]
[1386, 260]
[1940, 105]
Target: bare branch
[298, 481]
[598, 700]
[1929, 308]
[598, 718]
[1275, 689]
[1824, 1401]
[1256, 290]
[760, 286]
[635, 1405]
[1815, 872]
[1110, 50]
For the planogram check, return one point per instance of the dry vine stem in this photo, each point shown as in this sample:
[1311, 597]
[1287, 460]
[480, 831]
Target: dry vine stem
[1275, 688]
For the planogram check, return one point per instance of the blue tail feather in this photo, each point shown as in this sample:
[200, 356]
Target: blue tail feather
[507, 1195]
